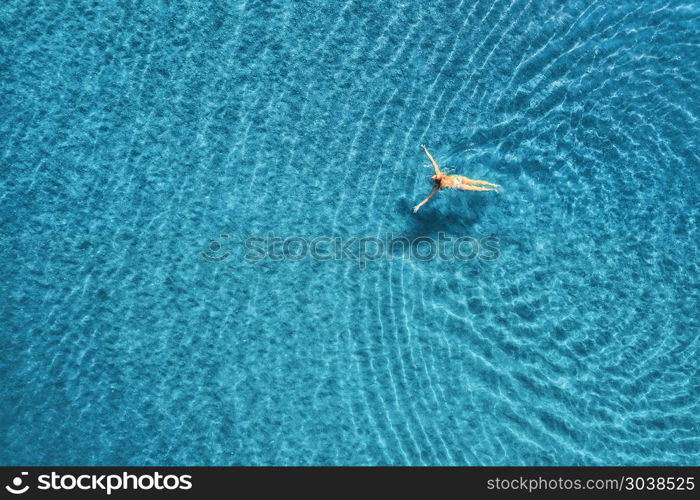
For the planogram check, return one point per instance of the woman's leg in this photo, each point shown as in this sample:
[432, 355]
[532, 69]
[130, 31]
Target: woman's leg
[482, 183]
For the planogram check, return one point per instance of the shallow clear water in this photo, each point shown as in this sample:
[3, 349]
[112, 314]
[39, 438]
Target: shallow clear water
[133, 138]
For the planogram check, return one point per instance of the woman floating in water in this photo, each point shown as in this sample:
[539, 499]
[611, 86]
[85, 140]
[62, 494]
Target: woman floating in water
[443, 181]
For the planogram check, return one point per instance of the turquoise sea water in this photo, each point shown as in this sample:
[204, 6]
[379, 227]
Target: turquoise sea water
[133, 138]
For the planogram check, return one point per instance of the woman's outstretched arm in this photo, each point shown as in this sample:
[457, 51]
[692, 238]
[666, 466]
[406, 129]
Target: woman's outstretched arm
[435, 165]
[435, 188]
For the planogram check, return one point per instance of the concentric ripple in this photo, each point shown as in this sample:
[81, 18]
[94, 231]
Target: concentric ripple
[131, 137]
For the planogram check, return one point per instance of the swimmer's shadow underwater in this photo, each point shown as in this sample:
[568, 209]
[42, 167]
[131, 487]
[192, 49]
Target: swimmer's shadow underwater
[454, 221]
